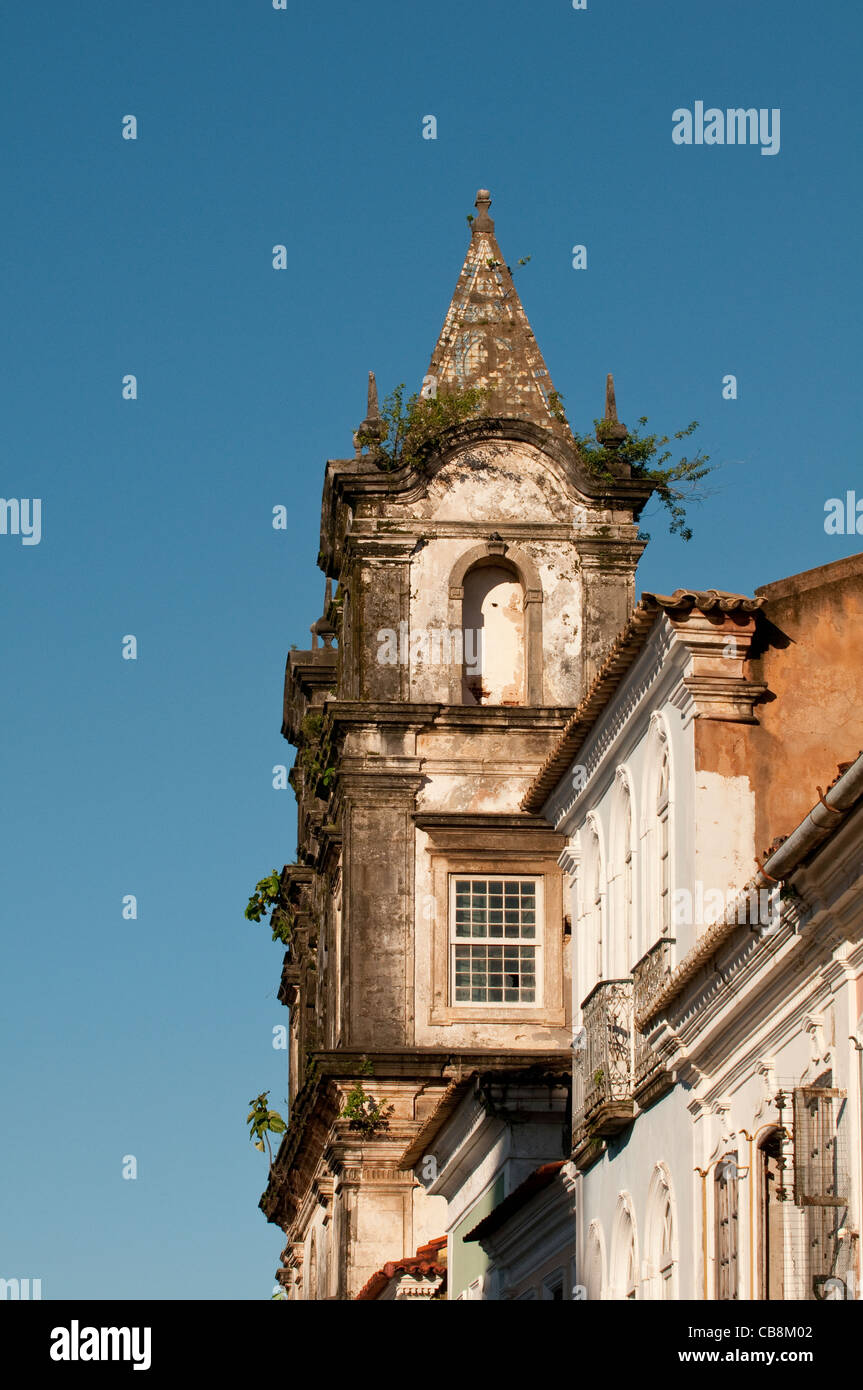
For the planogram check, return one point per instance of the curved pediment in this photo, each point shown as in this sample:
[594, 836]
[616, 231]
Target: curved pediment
[498, 481]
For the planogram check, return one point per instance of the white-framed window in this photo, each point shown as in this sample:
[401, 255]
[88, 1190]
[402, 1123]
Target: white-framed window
[662, 843]
[624, 1257]
[626, 872]
[631, 1273]
[595, 1264]
[597, 902]
[552, 1287]
[666, 1249]
[660, 1280]
[496, 939]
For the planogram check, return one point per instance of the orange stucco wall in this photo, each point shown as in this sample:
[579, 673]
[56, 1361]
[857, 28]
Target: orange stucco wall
[812, 667]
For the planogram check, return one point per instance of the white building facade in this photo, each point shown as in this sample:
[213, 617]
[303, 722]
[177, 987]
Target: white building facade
[716, 995]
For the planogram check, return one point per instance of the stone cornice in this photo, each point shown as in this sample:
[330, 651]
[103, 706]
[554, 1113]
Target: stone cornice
[352, 484]
[713, 629]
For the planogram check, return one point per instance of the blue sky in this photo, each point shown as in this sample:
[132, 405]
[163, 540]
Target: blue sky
[154, 257]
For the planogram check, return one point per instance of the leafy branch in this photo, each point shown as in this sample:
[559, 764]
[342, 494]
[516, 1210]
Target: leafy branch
[312, 758]
[267, 895]
[411, 424]
[263, 1122]
[673, 483]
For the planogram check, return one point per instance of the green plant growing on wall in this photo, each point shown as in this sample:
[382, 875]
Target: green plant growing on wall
[366, 1115]
[673, 483]
[267, 896]
[410, 425]
[313, 757]
[555, 405]
[262, 1123]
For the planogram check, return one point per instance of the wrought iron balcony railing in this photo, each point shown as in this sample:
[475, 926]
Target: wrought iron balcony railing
[603, 1102]
[649, 975]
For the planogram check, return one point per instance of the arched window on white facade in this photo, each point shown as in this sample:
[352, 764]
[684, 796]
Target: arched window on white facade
[662, 1235]
[624, 1252]
[595, 1263]
[662, 845]
[596, 902]
[657, 842]
[621, 926]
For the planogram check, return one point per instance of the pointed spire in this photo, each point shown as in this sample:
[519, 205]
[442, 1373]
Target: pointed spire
[610, 402]
[372, 412]
[611, 432]
[372, 426]
[486, 339]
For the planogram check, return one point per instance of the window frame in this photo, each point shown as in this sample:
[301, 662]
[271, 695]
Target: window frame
[536, 943]
[490, 853]
[726, 1221]
[663, 846]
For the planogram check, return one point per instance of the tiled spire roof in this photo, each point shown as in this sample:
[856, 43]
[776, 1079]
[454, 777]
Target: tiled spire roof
[486, 339]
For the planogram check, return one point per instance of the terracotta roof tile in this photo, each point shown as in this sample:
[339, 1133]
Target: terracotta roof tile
[422, 1264]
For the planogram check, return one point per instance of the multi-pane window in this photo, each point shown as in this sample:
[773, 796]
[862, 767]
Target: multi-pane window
[495, 940]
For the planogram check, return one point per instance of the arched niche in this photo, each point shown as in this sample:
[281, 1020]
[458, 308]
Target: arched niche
[485, 587]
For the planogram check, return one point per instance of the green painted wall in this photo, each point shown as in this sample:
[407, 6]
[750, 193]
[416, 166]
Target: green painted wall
[470, 1261]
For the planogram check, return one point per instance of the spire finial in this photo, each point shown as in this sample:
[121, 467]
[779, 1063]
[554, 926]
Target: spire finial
[610, 402]
[372, 412]
[482, 222]
[372, 427]
[486, 341]
[611, 432]
[323, 628]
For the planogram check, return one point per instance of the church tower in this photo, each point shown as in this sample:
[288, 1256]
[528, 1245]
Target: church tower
[481, 573]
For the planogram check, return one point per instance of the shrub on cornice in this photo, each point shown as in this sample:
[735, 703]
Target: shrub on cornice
[409, 425]
[364, 1114]
[673, 483]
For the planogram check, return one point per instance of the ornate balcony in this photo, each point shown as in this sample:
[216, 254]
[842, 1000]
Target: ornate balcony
[603, 1103]
[650, 973]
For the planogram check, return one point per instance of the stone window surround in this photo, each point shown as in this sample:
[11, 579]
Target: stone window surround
[536, 943]
[491, 859]
[496, 551]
